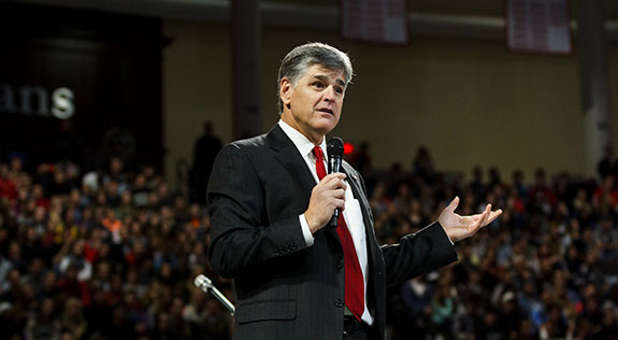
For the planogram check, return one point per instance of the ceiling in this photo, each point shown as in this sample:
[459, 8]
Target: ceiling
[493, 8]
[481, 19]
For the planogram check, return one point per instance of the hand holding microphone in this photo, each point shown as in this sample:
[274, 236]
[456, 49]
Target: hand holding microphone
[327, 197]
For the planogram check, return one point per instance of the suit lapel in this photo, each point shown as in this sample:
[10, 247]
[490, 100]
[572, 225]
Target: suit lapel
[372, 242]
[286, 153]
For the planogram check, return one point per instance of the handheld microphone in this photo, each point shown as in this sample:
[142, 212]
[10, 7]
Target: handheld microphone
[205, 284]
[334, 148]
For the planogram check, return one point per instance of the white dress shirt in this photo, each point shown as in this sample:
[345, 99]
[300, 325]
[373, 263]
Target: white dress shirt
[352, 213]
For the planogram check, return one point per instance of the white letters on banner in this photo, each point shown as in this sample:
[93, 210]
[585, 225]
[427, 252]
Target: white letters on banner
[35, 100]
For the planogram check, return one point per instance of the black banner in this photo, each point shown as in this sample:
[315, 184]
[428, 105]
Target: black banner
[79, 85]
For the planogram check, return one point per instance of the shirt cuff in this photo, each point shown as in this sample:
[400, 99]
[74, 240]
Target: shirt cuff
[304, 226]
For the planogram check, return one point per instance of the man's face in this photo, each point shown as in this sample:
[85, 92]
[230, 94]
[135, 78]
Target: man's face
[313, 105]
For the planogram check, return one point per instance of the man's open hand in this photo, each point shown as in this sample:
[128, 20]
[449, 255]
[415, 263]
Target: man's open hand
[459, 227]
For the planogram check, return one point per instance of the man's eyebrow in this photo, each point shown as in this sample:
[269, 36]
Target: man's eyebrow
[326, 80]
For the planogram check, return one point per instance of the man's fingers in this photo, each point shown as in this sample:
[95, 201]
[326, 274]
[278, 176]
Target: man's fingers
[493, 216]
[481, 222]
[454, 203]
[340, 203]
[340, 193]
[333, 176]
[339, 175]
[486, 214]
[473, 219]
[334, 181]
[336, 185]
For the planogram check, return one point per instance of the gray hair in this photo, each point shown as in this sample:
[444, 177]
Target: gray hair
[296, 62]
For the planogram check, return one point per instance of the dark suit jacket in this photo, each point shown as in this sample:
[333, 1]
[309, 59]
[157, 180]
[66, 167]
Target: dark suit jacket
[284, 289]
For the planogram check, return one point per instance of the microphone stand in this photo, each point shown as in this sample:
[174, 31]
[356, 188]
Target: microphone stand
[205, 285]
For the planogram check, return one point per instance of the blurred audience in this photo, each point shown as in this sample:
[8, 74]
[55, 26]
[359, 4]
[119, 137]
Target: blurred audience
[111, 254]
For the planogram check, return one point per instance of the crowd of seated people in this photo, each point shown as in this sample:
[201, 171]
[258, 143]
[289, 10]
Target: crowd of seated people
[111, 254]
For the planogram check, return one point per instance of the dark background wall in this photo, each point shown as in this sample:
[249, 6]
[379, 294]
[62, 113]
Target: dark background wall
[112, 64]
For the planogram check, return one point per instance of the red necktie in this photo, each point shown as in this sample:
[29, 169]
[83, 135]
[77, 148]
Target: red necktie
[354, 283]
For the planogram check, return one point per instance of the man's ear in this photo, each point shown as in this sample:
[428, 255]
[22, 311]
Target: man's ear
[285, 91]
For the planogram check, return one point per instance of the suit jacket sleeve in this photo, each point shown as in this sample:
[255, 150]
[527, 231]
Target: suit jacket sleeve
[416, 253]
[239, 239]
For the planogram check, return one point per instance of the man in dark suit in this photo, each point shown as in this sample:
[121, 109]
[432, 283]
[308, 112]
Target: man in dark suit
[270, 200]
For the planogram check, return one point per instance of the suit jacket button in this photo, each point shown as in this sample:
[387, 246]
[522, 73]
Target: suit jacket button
[338, 303]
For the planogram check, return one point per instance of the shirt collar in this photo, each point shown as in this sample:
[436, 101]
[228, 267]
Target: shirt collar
[302, 143]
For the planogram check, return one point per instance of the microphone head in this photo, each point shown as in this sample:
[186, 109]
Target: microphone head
[334, 147]
[202, 280]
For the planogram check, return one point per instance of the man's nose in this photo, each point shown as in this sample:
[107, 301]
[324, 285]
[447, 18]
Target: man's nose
[329, 94]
